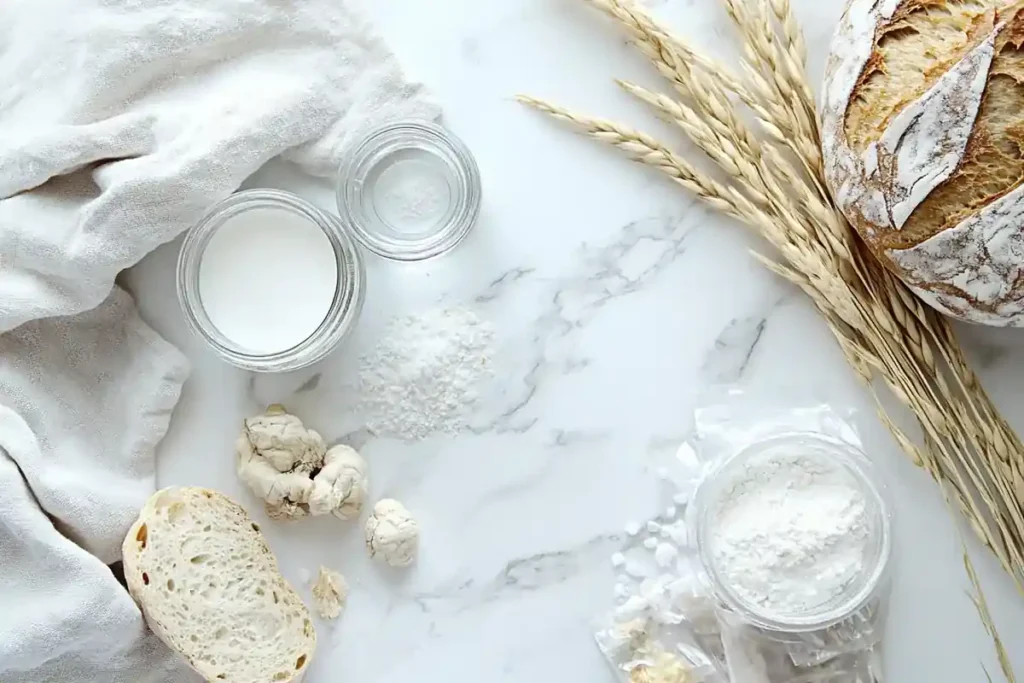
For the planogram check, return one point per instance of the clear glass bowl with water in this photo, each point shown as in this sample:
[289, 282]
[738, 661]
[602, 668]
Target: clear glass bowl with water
[409, 190]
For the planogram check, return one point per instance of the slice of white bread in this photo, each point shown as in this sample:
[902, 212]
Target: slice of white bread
[209, 586]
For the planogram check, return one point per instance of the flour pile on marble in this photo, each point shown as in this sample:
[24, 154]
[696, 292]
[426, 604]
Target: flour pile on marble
[423, 377]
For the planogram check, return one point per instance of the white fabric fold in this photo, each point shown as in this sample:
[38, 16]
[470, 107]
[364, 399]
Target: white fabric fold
[83, 402]
[161, 108]
[121, 122]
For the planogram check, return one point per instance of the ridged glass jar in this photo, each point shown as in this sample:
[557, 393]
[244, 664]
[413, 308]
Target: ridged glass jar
[339, 319]
[409, 190]
[855, 601]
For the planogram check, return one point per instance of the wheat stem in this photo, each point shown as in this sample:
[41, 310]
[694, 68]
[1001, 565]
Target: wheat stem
[774, 183]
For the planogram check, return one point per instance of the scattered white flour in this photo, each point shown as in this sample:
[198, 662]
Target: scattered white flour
[665, 555]
[330, 593]
[423, 376]
[790, 533]
[677, 532]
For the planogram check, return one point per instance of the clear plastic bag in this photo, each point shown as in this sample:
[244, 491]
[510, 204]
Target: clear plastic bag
[756, 656]
[663, 625]
[670, 622]
[844, 646]
[645, 651]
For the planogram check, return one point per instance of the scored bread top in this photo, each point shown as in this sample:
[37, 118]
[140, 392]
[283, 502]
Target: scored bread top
[923, 146]
[210, 588]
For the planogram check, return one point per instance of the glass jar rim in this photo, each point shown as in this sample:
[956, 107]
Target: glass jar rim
[345, 306]
[866, 476]
[369, 149]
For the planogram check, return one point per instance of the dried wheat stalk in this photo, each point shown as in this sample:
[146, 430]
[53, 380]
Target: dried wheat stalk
[775, 184]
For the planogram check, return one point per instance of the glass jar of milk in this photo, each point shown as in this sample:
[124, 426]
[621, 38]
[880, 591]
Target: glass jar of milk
[271, 282]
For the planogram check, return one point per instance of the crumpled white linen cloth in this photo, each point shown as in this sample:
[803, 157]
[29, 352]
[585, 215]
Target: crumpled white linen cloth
[121, 122]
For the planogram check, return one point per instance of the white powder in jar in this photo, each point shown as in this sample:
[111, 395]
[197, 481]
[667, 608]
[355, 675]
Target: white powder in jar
[267, 279]
[790, 532]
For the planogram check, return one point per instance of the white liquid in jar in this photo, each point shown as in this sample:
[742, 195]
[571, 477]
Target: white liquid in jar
[267, 279]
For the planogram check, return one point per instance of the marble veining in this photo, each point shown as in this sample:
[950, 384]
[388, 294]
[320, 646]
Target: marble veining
[617, 301]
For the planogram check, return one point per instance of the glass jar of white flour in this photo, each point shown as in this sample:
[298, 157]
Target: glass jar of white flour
[269, 281]
[794, 534]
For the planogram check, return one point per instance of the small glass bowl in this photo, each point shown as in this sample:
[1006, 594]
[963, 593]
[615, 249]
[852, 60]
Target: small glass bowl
[860, 593]
[341, 316]
[409, 190]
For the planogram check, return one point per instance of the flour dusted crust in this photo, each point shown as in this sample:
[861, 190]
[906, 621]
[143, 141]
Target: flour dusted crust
[923, 138]
[982, 256]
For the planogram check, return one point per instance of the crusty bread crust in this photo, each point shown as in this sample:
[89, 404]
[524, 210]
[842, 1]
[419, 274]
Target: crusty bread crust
[209, 587]
[923, 140]
[905, 63]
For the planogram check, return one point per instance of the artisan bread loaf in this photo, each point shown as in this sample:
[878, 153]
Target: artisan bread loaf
[923, 140]
[209, 586]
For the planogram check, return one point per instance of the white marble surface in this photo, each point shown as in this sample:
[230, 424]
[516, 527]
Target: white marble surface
[616, 300]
